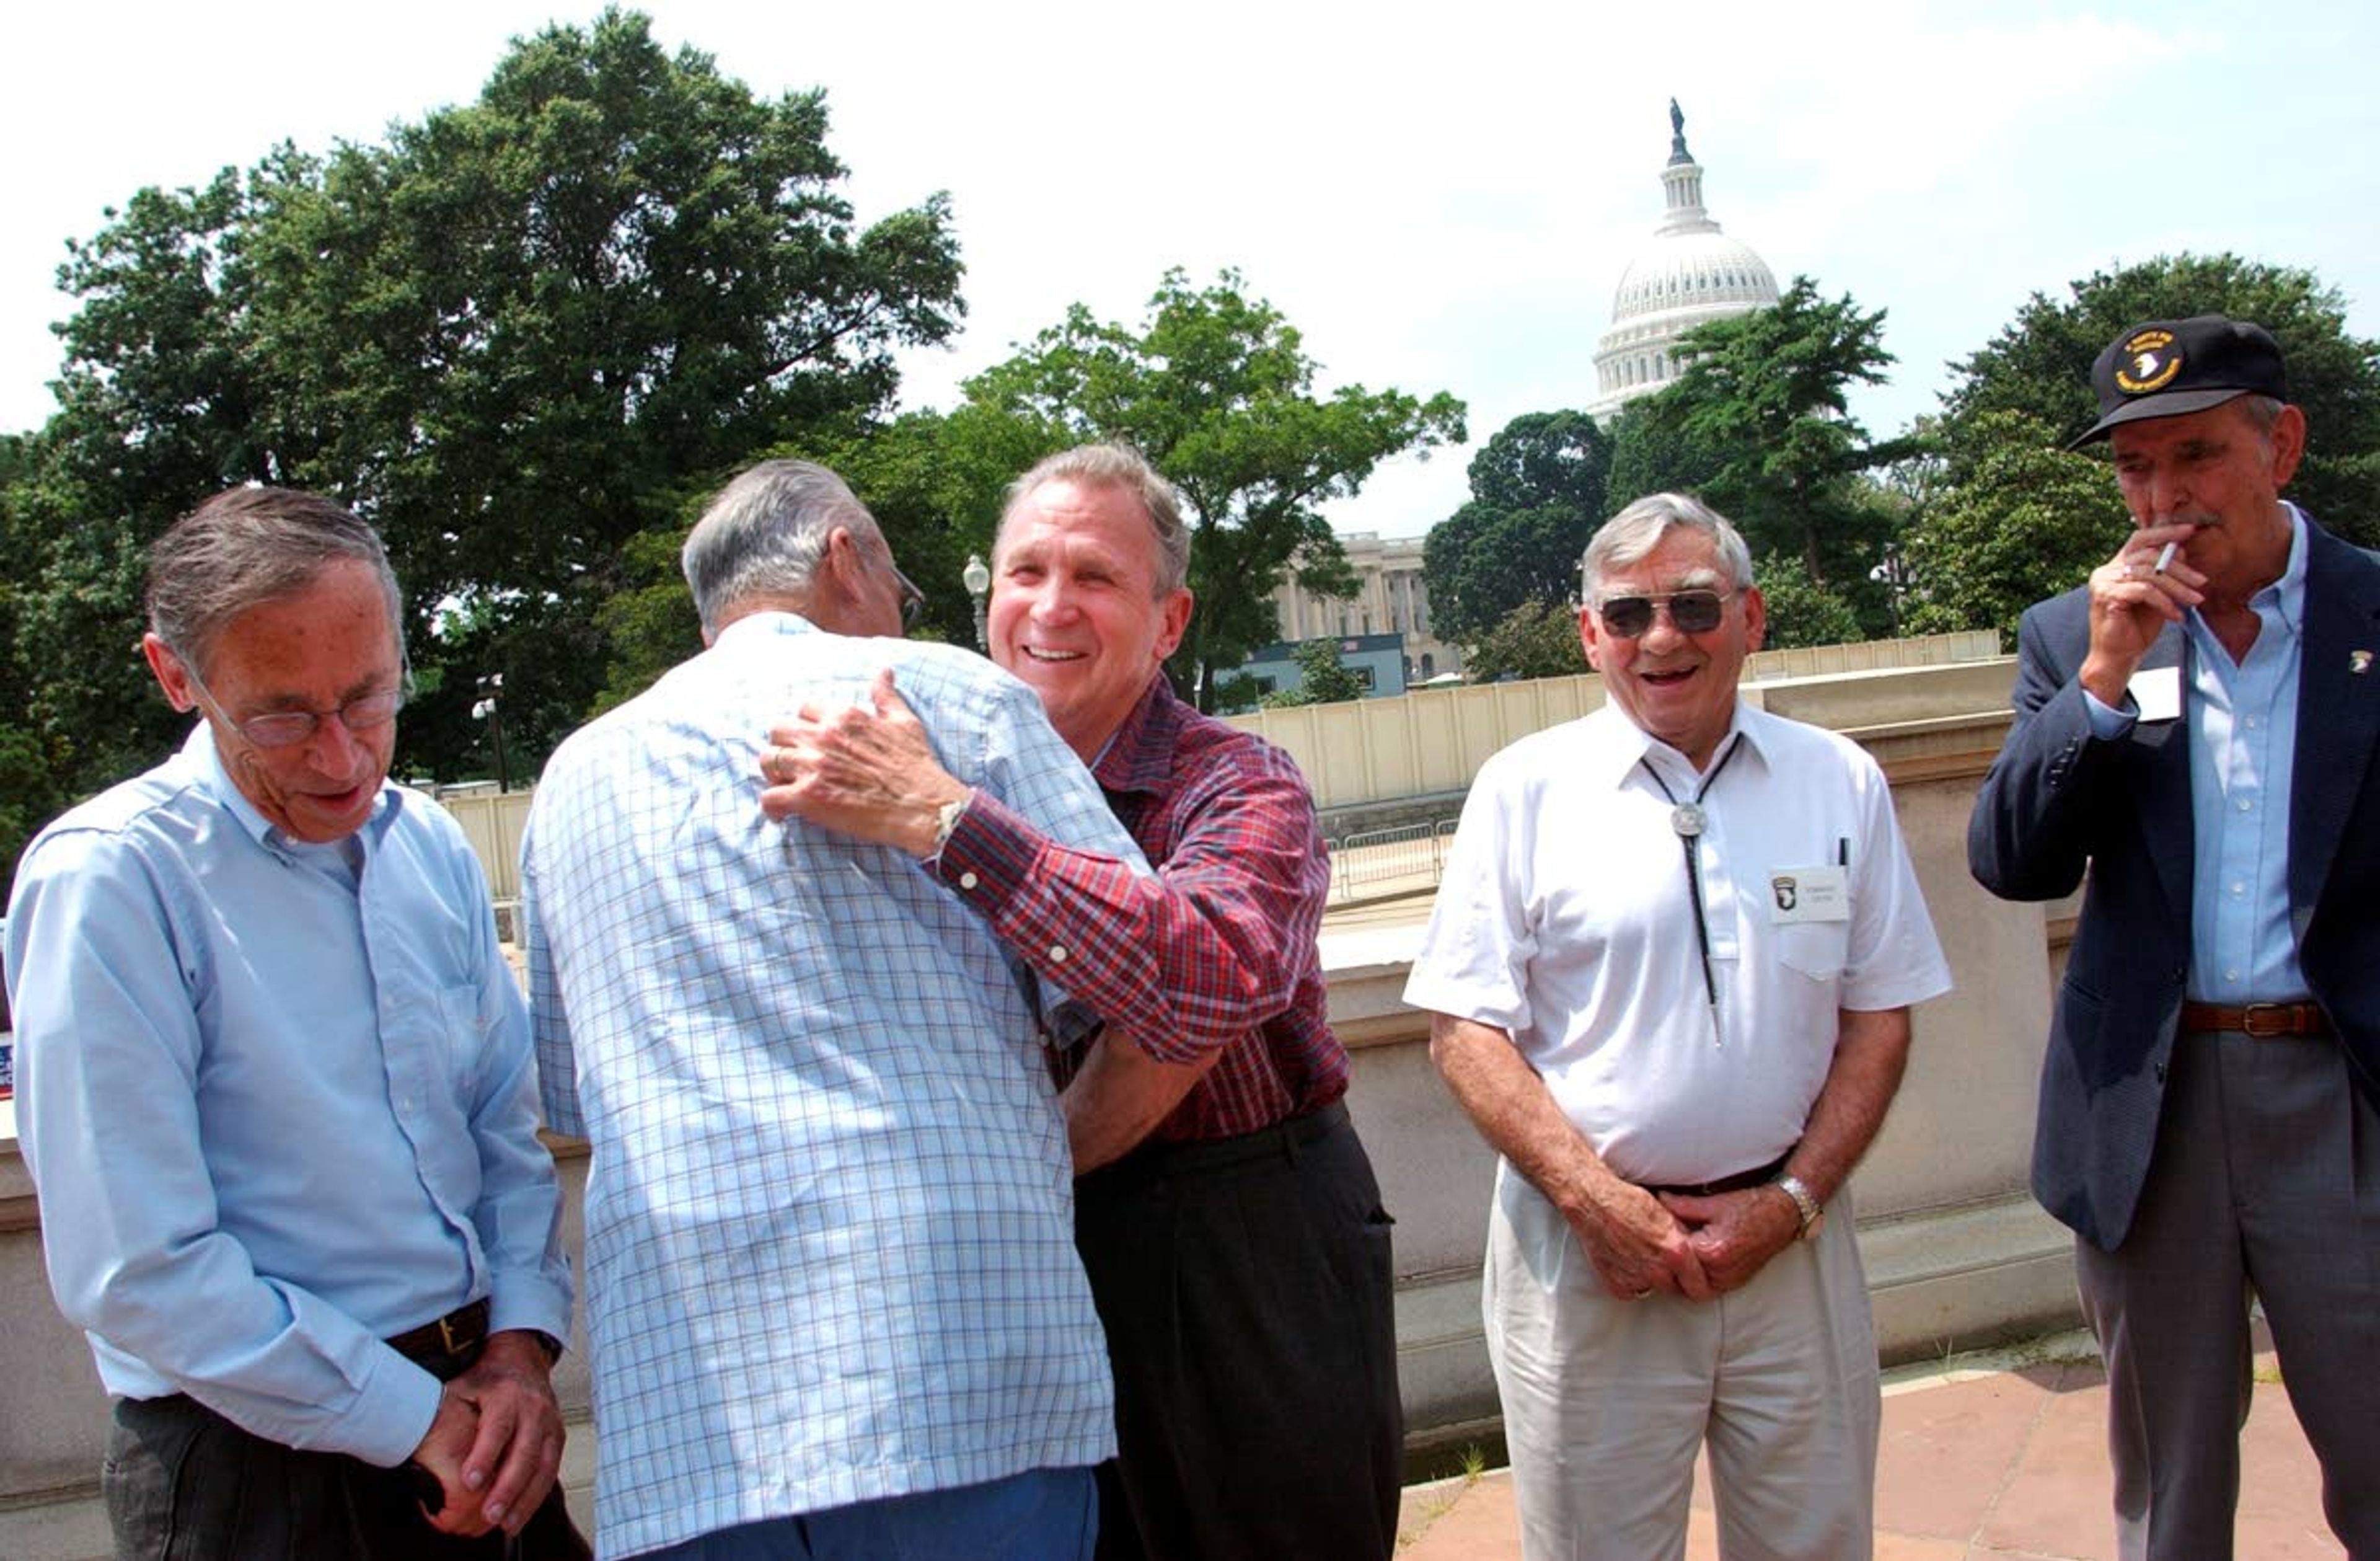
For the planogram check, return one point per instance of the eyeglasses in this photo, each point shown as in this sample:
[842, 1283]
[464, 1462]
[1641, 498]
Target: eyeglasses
[1691, 611]
[913, 601]
[286, 728]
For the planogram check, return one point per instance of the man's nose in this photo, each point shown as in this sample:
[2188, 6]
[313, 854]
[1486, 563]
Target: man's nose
[1662, 633]
[1053, 598]
[331, 747]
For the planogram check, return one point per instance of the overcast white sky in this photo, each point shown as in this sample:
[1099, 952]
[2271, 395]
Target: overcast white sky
[1441, 198]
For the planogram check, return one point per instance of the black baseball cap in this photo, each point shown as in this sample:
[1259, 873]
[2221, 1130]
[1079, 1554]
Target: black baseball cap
[2166, 368]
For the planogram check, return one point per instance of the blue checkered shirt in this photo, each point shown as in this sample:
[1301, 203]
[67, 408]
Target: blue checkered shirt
[830, 1251]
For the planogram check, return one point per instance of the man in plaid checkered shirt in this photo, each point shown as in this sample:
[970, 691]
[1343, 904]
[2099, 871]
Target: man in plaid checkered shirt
[1226, 1214]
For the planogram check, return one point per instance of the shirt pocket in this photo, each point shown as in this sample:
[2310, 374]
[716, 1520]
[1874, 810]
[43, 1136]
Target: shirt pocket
[1817, 949]
[466, 1021]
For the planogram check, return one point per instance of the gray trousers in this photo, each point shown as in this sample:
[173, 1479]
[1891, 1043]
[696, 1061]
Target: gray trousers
[2266, 1180]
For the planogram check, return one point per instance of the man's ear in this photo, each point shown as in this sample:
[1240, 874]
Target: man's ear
[1173, 621]
[171, 675]
[2289, 444]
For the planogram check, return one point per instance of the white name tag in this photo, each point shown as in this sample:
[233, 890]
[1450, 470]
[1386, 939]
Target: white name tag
[1809, 894]
[2157, 691]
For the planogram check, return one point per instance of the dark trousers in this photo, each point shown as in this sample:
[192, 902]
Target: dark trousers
[1247, 1292]
[183, 1484]
[2266, 1178]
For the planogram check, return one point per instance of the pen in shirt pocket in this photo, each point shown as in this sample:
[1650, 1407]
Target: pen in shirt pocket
[1842, 850]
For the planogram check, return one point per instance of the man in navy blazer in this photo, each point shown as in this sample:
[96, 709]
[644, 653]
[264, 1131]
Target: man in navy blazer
[2197, 726]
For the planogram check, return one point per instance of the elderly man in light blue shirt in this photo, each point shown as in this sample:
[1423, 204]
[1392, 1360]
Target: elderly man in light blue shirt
[276, 1092]
[832, 1294]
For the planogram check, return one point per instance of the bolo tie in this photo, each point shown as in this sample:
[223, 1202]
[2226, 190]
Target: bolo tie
[1688, 820]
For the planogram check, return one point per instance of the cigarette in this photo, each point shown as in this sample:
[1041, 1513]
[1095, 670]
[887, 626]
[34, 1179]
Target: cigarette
[2165, 556]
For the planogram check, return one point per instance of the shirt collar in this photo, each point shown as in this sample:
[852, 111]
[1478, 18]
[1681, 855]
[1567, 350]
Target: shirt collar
[751, 625]
[2288, 592]
[1139, 756]
[1621, 745]
[199, 750]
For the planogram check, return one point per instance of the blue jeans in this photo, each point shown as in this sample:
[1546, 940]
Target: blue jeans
[1041, 1515]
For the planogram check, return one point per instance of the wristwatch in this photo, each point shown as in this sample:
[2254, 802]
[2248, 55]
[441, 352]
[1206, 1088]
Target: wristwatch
[1806, 1204]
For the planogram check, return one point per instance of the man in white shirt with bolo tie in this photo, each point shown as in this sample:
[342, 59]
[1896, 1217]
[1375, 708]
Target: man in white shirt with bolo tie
[1670, 969]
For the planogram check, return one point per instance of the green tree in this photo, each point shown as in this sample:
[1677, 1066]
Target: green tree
[1322, 678]
[523, 336]
[2039, 366]
[1536, 495]
[1653, 453]
[1216, 389]
[2027, 521]
[1765, 393]
[1802, 611]
[1535, 640]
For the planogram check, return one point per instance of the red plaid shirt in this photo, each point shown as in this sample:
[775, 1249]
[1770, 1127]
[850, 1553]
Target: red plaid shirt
[1215, 954]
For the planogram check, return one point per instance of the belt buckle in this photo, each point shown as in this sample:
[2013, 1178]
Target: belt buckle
[448, 1339]
[2265, 1021]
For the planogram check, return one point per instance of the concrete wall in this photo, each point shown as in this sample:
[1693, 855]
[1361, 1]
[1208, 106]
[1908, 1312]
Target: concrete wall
[1958, 1255]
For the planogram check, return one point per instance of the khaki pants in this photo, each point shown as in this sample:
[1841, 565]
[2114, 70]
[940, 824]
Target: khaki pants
[1605, 1402]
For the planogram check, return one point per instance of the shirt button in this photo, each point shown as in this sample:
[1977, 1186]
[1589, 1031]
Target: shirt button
[2238, 888]
[2230, 975]
[2243, 804]
[1057, 954]
[966, 879]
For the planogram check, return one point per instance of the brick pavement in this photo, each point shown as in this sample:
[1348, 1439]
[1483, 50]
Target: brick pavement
[1974, 1463]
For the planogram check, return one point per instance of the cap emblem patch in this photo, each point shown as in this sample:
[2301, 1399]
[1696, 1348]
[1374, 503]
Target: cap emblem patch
[2151, 364]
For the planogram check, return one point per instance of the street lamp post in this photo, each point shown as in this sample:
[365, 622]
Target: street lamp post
[487, 710]
[978, 586]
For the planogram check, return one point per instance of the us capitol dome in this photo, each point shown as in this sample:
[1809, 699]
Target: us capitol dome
[1689, 274]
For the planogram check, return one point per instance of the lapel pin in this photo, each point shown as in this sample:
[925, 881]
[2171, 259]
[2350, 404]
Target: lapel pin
[2359, 662]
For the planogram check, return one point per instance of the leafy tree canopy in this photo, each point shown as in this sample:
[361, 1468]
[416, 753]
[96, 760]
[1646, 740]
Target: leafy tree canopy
[1537, 493]
[2027, 521]
[519, 337]
[1216, 389]
[1535, 640]
[1765, 393]
[1322, 678]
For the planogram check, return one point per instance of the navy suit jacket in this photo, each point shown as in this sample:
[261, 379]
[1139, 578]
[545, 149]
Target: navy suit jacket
[2055, 801]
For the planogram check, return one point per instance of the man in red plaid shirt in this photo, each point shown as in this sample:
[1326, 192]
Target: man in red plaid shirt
[1226, 1211]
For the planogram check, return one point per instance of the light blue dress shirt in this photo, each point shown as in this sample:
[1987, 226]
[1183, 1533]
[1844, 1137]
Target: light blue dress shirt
[278, 1106]
[2243, 738]
[830, 1207]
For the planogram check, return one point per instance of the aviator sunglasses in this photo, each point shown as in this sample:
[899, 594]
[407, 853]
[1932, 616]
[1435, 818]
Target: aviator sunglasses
[1691, 611]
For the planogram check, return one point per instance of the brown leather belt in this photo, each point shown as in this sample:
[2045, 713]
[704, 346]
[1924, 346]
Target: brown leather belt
[2263, 1021]
[1759, 1176]
[459, 1332]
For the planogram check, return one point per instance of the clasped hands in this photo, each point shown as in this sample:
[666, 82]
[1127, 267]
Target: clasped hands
[495, 1444]
[1642, 1242]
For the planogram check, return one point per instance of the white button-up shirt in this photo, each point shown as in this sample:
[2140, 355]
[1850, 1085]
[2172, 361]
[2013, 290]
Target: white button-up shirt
[1565, 918]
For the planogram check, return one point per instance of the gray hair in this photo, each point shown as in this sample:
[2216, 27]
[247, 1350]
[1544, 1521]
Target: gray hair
[1636, 530]
[246, 547]
[2263, 412]
[1115, 466]
[764, 533]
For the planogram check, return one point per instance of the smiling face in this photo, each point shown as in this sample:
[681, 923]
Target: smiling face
[1679, 687]
[1074, 609]
[2217, 470]
[316, 649]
